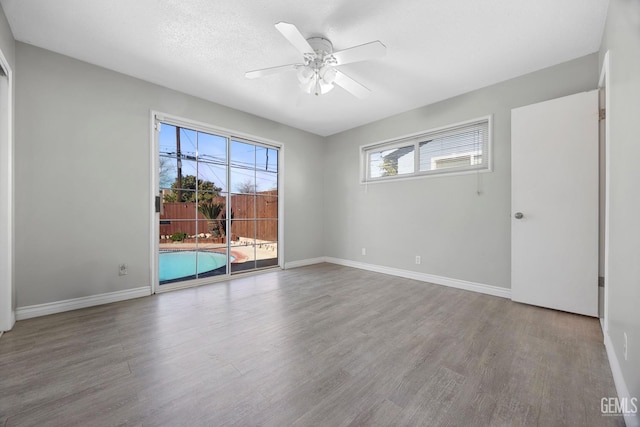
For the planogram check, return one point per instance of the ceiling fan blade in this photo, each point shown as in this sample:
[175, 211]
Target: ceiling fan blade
[351, 86]
[291, 33]
[360, 53]
[268, 71]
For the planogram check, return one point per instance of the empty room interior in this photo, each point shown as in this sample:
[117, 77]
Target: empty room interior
[319, 213]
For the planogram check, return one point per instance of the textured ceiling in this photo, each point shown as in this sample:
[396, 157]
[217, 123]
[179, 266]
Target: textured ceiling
[436, 49]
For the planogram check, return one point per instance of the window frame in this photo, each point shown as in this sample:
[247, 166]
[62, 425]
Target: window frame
[415, 138]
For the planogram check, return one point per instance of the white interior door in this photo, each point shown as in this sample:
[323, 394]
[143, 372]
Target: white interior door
[554, 201]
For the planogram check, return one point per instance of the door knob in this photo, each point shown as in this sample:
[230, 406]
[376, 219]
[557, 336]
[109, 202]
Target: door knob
[518, 215]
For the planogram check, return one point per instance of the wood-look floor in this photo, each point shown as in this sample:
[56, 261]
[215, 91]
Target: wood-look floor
[322, 345]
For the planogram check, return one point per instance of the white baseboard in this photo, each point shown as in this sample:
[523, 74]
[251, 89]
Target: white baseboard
[424, 277]
[621, 385]
[304, 262]
[82, 302]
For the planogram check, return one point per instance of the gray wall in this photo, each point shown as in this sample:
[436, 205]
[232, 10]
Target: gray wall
[458, 233]
[622, 39]
[7, 44]
[83, 175]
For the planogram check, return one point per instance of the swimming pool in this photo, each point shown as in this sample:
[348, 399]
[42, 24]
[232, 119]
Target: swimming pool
[182, 264]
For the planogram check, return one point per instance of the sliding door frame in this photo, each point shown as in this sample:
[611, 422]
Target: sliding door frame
[157, 117]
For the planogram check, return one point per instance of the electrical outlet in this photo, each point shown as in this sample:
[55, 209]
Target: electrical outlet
[364, 251]
[123, 270]
[626, 346]
[418, 260]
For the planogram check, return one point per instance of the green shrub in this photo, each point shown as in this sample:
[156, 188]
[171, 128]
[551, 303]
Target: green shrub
[178, 236]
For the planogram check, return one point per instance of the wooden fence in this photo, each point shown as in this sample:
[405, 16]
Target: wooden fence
[253, 216]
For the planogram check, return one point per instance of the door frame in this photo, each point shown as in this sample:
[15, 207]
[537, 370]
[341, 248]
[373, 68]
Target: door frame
[7, 285]
[604, 83]
[155, 179]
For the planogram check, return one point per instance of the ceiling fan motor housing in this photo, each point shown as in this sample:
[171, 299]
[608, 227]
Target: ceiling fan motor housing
[321, 46]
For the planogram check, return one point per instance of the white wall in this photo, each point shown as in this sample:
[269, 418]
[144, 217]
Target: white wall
[458, 233]
[83, 177]
[622, 40]
[7, 294]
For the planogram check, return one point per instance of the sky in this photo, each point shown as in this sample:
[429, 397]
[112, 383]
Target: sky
[250, 164]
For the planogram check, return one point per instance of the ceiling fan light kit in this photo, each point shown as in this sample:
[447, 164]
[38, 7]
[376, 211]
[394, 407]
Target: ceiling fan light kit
[317, 74]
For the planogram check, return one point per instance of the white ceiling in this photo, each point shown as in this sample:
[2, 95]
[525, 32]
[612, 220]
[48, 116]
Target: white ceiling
[436, 49]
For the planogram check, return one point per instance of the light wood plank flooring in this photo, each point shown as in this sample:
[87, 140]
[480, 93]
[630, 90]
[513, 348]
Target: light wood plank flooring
[322, 345]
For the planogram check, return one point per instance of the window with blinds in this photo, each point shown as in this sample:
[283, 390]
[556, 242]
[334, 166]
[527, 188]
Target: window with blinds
[457, 148]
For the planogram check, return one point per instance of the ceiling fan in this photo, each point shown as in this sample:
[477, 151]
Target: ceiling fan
[317, 73]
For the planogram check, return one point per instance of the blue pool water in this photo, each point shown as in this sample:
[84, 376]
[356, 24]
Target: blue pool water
[177, 265]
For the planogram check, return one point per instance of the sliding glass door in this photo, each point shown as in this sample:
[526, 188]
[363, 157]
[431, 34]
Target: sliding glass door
[254, 205]
[218, 200]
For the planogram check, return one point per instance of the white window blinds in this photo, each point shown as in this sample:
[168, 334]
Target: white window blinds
[457, 148]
